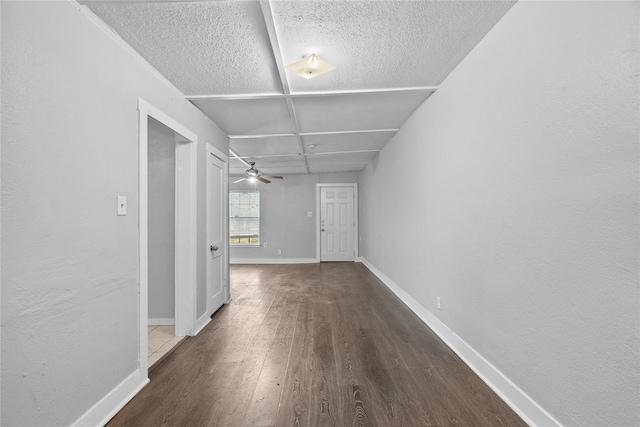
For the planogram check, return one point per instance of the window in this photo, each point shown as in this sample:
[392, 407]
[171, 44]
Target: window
[244, 218]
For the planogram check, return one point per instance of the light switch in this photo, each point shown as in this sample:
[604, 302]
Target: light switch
[122, 205]
[309, 213]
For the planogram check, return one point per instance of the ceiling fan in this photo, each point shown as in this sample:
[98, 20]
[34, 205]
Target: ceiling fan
[254, 175]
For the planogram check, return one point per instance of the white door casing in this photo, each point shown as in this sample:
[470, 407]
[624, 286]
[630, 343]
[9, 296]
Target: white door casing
[337, 222]
[185, 229]
[217, 230]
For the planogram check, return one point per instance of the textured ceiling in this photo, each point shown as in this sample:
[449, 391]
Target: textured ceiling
[228, 58]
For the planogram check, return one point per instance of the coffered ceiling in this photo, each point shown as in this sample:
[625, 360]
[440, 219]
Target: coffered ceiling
[228, 58]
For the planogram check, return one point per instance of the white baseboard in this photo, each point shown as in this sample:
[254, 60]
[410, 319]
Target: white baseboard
[162, 321]
[201, 323]
[273, 261]
[532, 413]
[109, 405]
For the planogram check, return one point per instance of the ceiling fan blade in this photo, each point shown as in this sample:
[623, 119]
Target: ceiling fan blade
[240, 180]
[273, 176]
[266, 181]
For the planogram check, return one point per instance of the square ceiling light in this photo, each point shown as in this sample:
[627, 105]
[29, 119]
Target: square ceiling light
[310, 66]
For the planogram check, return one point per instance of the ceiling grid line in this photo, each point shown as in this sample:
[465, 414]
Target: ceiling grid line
[337, 132]
[270, 22]
[230, 57]
[250, 96]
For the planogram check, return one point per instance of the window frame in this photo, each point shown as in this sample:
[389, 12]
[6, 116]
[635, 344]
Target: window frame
[231, 231]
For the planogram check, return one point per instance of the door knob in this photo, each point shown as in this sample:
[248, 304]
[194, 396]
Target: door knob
[213, 248]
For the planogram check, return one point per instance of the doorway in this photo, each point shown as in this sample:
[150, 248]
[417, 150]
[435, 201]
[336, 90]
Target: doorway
[337, 227]
[161, 196]
[153, 126]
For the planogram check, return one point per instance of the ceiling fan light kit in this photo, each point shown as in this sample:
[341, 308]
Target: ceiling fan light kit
[310, 66]
[253, 175]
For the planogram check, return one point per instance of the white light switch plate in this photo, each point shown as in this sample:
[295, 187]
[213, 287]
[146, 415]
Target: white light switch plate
[122, 205]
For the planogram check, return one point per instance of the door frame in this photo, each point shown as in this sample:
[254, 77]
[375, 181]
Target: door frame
[186, 226]
[211, 150]
[355, 216]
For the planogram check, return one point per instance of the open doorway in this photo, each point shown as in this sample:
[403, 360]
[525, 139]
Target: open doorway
[167, 228]
[161, 246]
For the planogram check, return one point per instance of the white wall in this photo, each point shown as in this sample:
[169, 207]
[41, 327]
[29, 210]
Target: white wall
[284, 223]
[69, 264]
[162, 216]
[512, 194]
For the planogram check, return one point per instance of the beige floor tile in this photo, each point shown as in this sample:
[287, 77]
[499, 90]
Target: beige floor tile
[155, 342]
[153, 358]
[165, 331]
[169, 344]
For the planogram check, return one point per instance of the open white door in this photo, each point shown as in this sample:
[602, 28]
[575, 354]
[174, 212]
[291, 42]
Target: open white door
[217, 243]
[337, 223]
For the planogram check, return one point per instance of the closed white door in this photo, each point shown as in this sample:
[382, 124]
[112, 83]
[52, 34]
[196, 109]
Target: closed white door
[337, 227]
[216, 244]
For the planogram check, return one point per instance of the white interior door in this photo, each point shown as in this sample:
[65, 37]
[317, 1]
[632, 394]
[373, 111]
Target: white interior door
[216, 243]
[337, 226]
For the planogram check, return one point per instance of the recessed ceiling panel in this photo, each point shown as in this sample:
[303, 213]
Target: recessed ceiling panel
[283, 170]
[334, 168]
[277, 165]
[345, 142]
[282, 166]
[203, 48]
[378, 44]
[271, 161]
[248, 116]
[337, 159]
[363, 111]
[264, 146]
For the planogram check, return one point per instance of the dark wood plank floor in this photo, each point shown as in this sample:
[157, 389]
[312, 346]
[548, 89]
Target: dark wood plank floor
[314, 345]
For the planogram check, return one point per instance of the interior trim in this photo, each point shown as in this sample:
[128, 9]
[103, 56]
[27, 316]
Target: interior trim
[252, 96]
[532, 413]
[162, 321]
[202, 322]
[273, 261]
[334, 132]
[356, 216]
[105, 409]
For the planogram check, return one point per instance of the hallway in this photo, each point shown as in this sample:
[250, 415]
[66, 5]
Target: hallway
[308, 345]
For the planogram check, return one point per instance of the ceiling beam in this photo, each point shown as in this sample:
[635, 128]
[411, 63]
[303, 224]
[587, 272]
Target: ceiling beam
[275, 45]
[341, 132]
[233, 153]
[296, 155]
[253, 96]
[335, 132]
[327, 153]
[277, 55]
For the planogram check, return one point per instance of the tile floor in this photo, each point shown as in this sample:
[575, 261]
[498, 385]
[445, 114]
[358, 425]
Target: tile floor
[161, 341]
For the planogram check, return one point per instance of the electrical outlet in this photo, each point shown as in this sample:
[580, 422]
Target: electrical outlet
[438, 303]
[266, 245]
[279, 251]
[309, 213]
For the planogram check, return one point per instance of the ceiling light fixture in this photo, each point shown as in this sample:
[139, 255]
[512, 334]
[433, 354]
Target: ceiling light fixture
[310, 66]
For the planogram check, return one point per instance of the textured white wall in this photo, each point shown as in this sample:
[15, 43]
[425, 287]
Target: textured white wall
[284, 223]
[69, 264]
[512, 193]
[162, 218]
